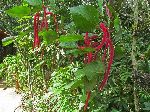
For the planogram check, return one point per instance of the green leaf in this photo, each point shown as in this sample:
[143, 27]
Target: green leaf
[48, 36]
[80, 52]
[147, 53]
[34, 2]
[79, 74]
[52, 4]
[70, 38]
[100, 4]
[117, 23]
[83, 98]
[119, 52]
[90, 84]
[147, 106]
[93, 69]
[39, 64]
[73, 84]
[88, 49]
[114, 110]
[85, 17]
[36, 8]
[74, 52]
[8, 40]
[112, 10]
[19, 11]
[68, 45]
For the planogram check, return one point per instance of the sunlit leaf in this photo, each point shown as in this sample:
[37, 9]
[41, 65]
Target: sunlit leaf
[8, 40]
[70, 38]
[100, 4]
[34, 2]
[19, 11]
[85, 17]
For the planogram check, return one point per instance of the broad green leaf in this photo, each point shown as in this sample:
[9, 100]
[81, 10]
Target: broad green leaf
[74, 52]
[74, 84]
[79, 74]
[93, 69]
[68, 45]
[90, 84]
[34, 2]
[8, 40]
[19, 11]
[117, 23]
[36, 8]
[79, 51]
[70, 38]
[85, 17]
[48, 36]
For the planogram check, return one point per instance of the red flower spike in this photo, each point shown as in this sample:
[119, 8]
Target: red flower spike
[107, 72]
[93, 37]
[89, 57]
[86, 40]
[111, 53]
[44, 24]
[36, 38]
[104, 55]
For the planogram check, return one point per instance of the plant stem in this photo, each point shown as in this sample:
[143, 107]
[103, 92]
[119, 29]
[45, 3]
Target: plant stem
[133, 55]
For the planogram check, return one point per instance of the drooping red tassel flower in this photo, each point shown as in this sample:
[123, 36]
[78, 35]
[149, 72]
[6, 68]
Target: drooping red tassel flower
[40, 25]
[89, 57]
[36, 37]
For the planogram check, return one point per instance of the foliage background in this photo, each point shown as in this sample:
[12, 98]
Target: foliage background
[54, 79]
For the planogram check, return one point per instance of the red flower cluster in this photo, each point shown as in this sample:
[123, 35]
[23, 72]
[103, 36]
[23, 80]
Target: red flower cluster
[89, 57]
[39, 25]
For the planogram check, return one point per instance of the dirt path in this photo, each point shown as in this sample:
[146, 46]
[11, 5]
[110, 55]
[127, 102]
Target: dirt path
[9, 100]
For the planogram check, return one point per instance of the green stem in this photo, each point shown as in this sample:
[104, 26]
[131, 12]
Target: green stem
[133, 56]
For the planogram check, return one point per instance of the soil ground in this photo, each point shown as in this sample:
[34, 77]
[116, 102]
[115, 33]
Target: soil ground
[9, 99]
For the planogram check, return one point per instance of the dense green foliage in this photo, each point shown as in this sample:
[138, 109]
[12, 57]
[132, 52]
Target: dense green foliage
[58, 81]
